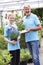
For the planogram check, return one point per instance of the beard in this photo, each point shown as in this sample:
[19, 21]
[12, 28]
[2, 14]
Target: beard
[28, 14]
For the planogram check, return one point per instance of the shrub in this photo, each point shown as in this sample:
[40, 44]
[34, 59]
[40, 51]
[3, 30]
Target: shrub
[22, 41]
[24, 54]
[5, 57]
[3, 44]
[20, 26]
[1, 30]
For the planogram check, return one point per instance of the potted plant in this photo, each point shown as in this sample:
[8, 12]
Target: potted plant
[14, 33]
[24, 56]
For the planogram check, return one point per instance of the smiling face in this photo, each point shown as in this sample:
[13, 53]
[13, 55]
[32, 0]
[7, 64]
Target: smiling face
[27, 10]
[11, 18]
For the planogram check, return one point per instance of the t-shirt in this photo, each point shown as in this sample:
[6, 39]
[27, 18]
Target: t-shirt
[7, 34]
[31, 22]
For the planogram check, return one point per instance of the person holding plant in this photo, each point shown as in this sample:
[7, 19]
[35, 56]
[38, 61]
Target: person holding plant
[11, 35]
[32, 25]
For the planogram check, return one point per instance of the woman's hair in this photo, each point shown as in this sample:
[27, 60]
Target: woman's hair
[10, 15]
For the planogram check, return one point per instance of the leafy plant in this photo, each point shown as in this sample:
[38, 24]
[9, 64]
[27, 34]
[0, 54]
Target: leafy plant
[5, 57]
[21, 26]
[24, 54]
[17, 18]
[1, 30]
[3, 44]
[14, 33]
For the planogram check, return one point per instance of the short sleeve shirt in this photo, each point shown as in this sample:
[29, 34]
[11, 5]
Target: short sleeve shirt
[31, 22]
[7, 34]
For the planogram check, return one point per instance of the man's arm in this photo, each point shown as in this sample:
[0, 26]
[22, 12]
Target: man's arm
[38, 27]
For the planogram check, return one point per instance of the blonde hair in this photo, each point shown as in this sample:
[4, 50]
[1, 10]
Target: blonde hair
[10, 14]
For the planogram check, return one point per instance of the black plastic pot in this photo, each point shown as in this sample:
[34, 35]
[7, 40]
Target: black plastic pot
[30, 60]
[14, 39]
[23, 62]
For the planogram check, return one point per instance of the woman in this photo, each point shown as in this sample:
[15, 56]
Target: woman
[13, 46]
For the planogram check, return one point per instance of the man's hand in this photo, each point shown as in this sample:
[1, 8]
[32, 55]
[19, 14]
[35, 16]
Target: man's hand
[29, 29]
[39, 27]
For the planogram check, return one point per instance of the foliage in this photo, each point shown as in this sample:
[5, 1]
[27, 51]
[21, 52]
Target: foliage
[22, 41]
[3, 44]
[21, 26]
[24, 54]
[38, 12]
[17, 18]
[12, 11]
[14, 33]
[5, 57]
[40, 35]
[1, 30]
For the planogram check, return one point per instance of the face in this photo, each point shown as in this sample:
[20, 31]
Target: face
[27, 10]
[11, 18]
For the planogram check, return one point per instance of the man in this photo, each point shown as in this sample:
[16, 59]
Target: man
[32, 25]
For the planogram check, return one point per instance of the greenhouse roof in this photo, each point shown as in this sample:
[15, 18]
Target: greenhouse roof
[18, 4]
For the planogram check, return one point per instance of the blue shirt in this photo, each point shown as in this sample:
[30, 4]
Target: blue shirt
[7, 34]
[31, 22]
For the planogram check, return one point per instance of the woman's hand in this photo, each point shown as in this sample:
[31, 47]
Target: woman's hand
[12, 42]
[9, 41]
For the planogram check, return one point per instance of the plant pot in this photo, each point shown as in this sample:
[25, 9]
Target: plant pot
[30, 60]
[23, 62]
[14, 39]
